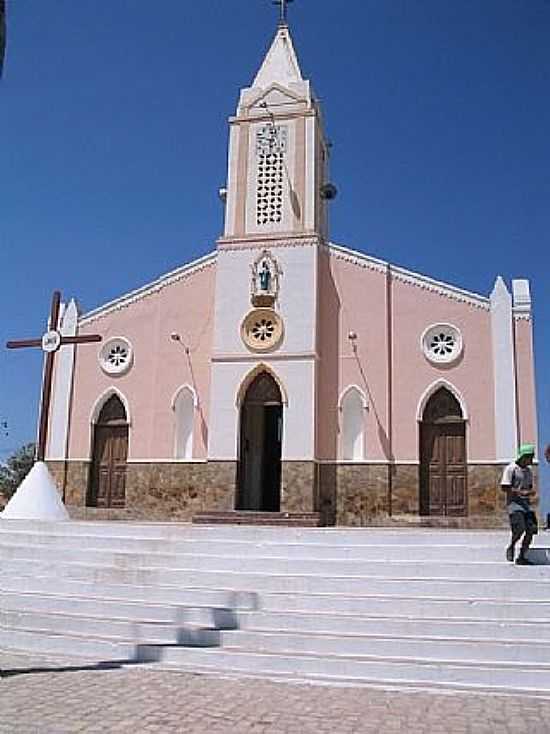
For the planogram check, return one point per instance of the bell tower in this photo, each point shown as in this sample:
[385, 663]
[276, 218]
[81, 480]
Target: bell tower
[277, 183]
[267, 271]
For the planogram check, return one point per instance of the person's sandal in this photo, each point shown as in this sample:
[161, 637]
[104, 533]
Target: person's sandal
[522, 561]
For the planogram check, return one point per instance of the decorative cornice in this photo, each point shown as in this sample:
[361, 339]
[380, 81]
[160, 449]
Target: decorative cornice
[409, 277]
[257, 242]
[521, 315]
[150, 289]
[265, 357]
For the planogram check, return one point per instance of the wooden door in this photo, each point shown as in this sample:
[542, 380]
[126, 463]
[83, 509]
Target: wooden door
[443, 468]
[110, 452]
[259, 470]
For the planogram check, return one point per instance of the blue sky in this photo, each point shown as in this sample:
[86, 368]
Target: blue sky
[113, 141]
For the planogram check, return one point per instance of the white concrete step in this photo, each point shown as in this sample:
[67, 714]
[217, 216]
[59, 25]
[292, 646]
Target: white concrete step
[28, 545]
[174, 595]
[414, 649]
[143, 628]
[344, 624]
[525, 678]
[418, 607]
[128, 631]
[159, 603]
[167, 532]
[509, 582]
[46, 643]
[254, 559]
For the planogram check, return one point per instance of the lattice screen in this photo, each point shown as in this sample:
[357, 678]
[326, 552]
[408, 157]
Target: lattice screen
[271, 144]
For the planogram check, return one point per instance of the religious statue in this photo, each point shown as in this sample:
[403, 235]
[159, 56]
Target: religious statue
[265, 277]
[264, 285]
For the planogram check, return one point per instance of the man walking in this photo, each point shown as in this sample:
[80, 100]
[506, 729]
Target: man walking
[517, 482]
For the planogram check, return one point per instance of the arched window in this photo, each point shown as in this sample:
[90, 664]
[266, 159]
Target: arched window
[184, 414]
[353, 425]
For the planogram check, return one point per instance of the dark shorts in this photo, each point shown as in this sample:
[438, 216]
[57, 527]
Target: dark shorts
[524, 522]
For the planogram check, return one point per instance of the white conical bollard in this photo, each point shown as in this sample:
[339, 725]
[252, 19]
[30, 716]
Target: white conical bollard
[36, 498]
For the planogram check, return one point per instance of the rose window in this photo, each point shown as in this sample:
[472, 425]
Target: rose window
[442, 343]
[262, 330]
[115, 356]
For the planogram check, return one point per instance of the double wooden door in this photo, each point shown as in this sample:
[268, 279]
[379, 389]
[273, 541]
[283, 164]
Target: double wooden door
[443, 485]
[108, 485]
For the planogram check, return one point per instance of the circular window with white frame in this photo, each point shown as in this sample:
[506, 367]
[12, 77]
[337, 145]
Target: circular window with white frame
[262, 330]
[116, 356]
[441, 343]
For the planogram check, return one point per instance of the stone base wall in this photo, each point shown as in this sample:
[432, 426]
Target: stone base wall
[344, 494]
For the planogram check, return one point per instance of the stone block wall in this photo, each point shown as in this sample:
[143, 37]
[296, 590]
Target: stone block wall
[345, 494]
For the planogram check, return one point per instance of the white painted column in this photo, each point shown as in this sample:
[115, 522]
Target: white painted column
[62, 388]
[504, 373]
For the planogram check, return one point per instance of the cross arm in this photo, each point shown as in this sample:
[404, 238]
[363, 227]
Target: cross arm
[19, 344]
[84, 339]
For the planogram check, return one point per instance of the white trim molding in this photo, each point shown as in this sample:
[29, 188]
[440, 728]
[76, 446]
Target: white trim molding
[102, 399]
[251, 375]
[431, 389]
[179, 390]
[147, 290]
[409, 277]
[348, 389]
[504, 371]
[62, 387]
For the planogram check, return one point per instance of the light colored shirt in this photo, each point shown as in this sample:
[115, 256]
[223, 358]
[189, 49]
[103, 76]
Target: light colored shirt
[518, 478]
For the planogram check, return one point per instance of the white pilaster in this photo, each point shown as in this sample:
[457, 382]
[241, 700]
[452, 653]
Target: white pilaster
[522, 296]
[504, 372]
[232, 175]
[62, 387]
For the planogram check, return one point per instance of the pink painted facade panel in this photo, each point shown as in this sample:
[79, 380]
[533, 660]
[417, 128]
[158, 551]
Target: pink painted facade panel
[160, 367]
[525, 381]
[352, 299]
[414, 309]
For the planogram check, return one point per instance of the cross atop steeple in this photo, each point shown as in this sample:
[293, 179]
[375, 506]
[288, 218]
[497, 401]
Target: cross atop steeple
[283, 5]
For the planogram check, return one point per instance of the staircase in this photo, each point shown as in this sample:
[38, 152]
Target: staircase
[394, 607]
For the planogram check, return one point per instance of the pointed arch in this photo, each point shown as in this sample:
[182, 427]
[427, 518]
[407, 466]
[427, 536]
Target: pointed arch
[357, 389]
[189, 389]
[103, 398]
[352, 405]
[184, 404]
[432, 389]
[251, 376]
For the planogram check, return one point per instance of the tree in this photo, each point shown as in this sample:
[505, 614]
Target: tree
[16, 469]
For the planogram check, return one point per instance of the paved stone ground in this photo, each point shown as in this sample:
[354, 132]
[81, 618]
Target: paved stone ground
[49, 696]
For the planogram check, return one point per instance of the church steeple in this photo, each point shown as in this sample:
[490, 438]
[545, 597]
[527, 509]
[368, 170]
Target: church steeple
[281, 63]
[278, 155]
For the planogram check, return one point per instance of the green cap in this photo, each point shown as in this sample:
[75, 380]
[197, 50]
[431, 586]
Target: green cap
[526, 449]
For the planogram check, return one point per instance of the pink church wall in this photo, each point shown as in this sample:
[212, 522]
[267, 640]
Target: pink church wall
[414, 309]
[354, 298]
[160, 366]
[525, 381]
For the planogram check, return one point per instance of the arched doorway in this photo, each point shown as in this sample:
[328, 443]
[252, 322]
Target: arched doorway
[443, 478]
[259, 471]
[109, 454]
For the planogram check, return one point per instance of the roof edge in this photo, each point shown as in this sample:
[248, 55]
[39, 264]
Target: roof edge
[146, 290]
[409, 276]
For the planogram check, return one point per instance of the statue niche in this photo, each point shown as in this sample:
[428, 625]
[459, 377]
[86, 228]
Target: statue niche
[264, 286]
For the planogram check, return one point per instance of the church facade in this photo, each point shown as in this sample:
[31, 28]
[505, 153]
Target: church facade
[285, 373]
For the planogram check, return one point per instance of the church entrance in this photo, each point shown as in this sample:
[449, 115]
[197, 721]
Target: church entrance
[110, 451]
[443, 483]
[259, 470]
